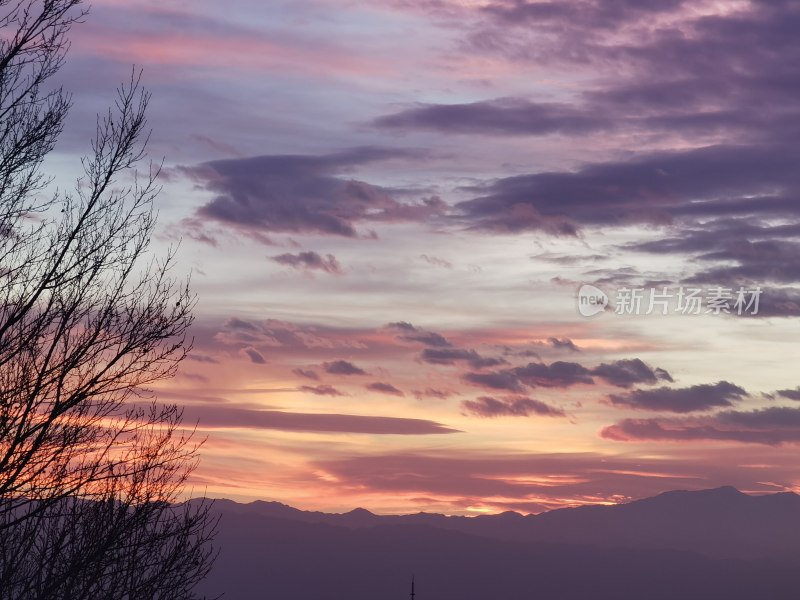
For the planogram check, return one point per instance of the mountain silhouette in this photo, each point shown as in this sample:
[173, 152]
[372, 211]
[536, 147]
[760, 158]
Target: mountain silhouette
[709, 544]
[720, 523]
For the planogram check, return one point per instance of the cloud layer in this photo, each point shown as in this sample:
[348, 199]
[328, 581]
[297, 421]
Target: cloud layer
[302, 194]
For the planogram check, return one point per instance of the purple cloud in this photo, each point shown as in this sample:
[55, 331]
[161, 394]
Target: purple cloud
[733, 104]
[290, 337]
[736, 250]
[435, 261]
[342, 367]
[563, 344]
[790, 394]
[432, 393]
[562, 374]
[682, 400]
[202, 358]
[515, 406]
[768, 426]
[385, 388]
[302, 194]
[691, 75]
[306, 373]
[557, 374]
[451, 356]
[628, 372]
[780, 302]
[593, 15]
[409, 333]
[310, 261]
[255, 356]
[652, 189]
[495, 381]
[510, 116]
[327, 423]
[321, 390]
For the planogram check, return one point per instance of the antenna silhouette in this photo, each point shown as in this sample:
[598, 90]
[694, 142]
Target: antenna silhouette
[412, 588]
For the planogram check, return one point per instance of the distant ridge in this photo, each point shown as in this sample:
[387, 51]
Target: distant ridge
[721, 522]
[703, 545]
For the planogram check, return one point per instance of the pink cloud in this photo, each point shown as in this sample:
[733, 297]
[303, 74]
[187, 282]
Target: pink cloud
[229, 416]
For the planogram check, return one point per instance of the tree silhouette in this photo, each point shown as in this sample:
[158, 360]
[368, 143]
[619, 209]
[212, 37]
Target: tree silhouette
[91, 468]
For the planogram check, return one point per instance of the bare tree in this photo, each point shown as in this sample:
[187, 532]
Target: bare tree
[91, 469]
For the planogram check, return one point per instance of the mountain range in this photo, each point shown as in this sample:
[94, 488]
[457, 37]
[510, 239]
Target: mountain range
[709, 544]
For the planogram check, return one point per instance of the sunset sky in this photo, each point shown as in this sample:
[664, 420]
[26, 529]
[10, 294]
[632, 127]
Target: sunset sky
[388, 208]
